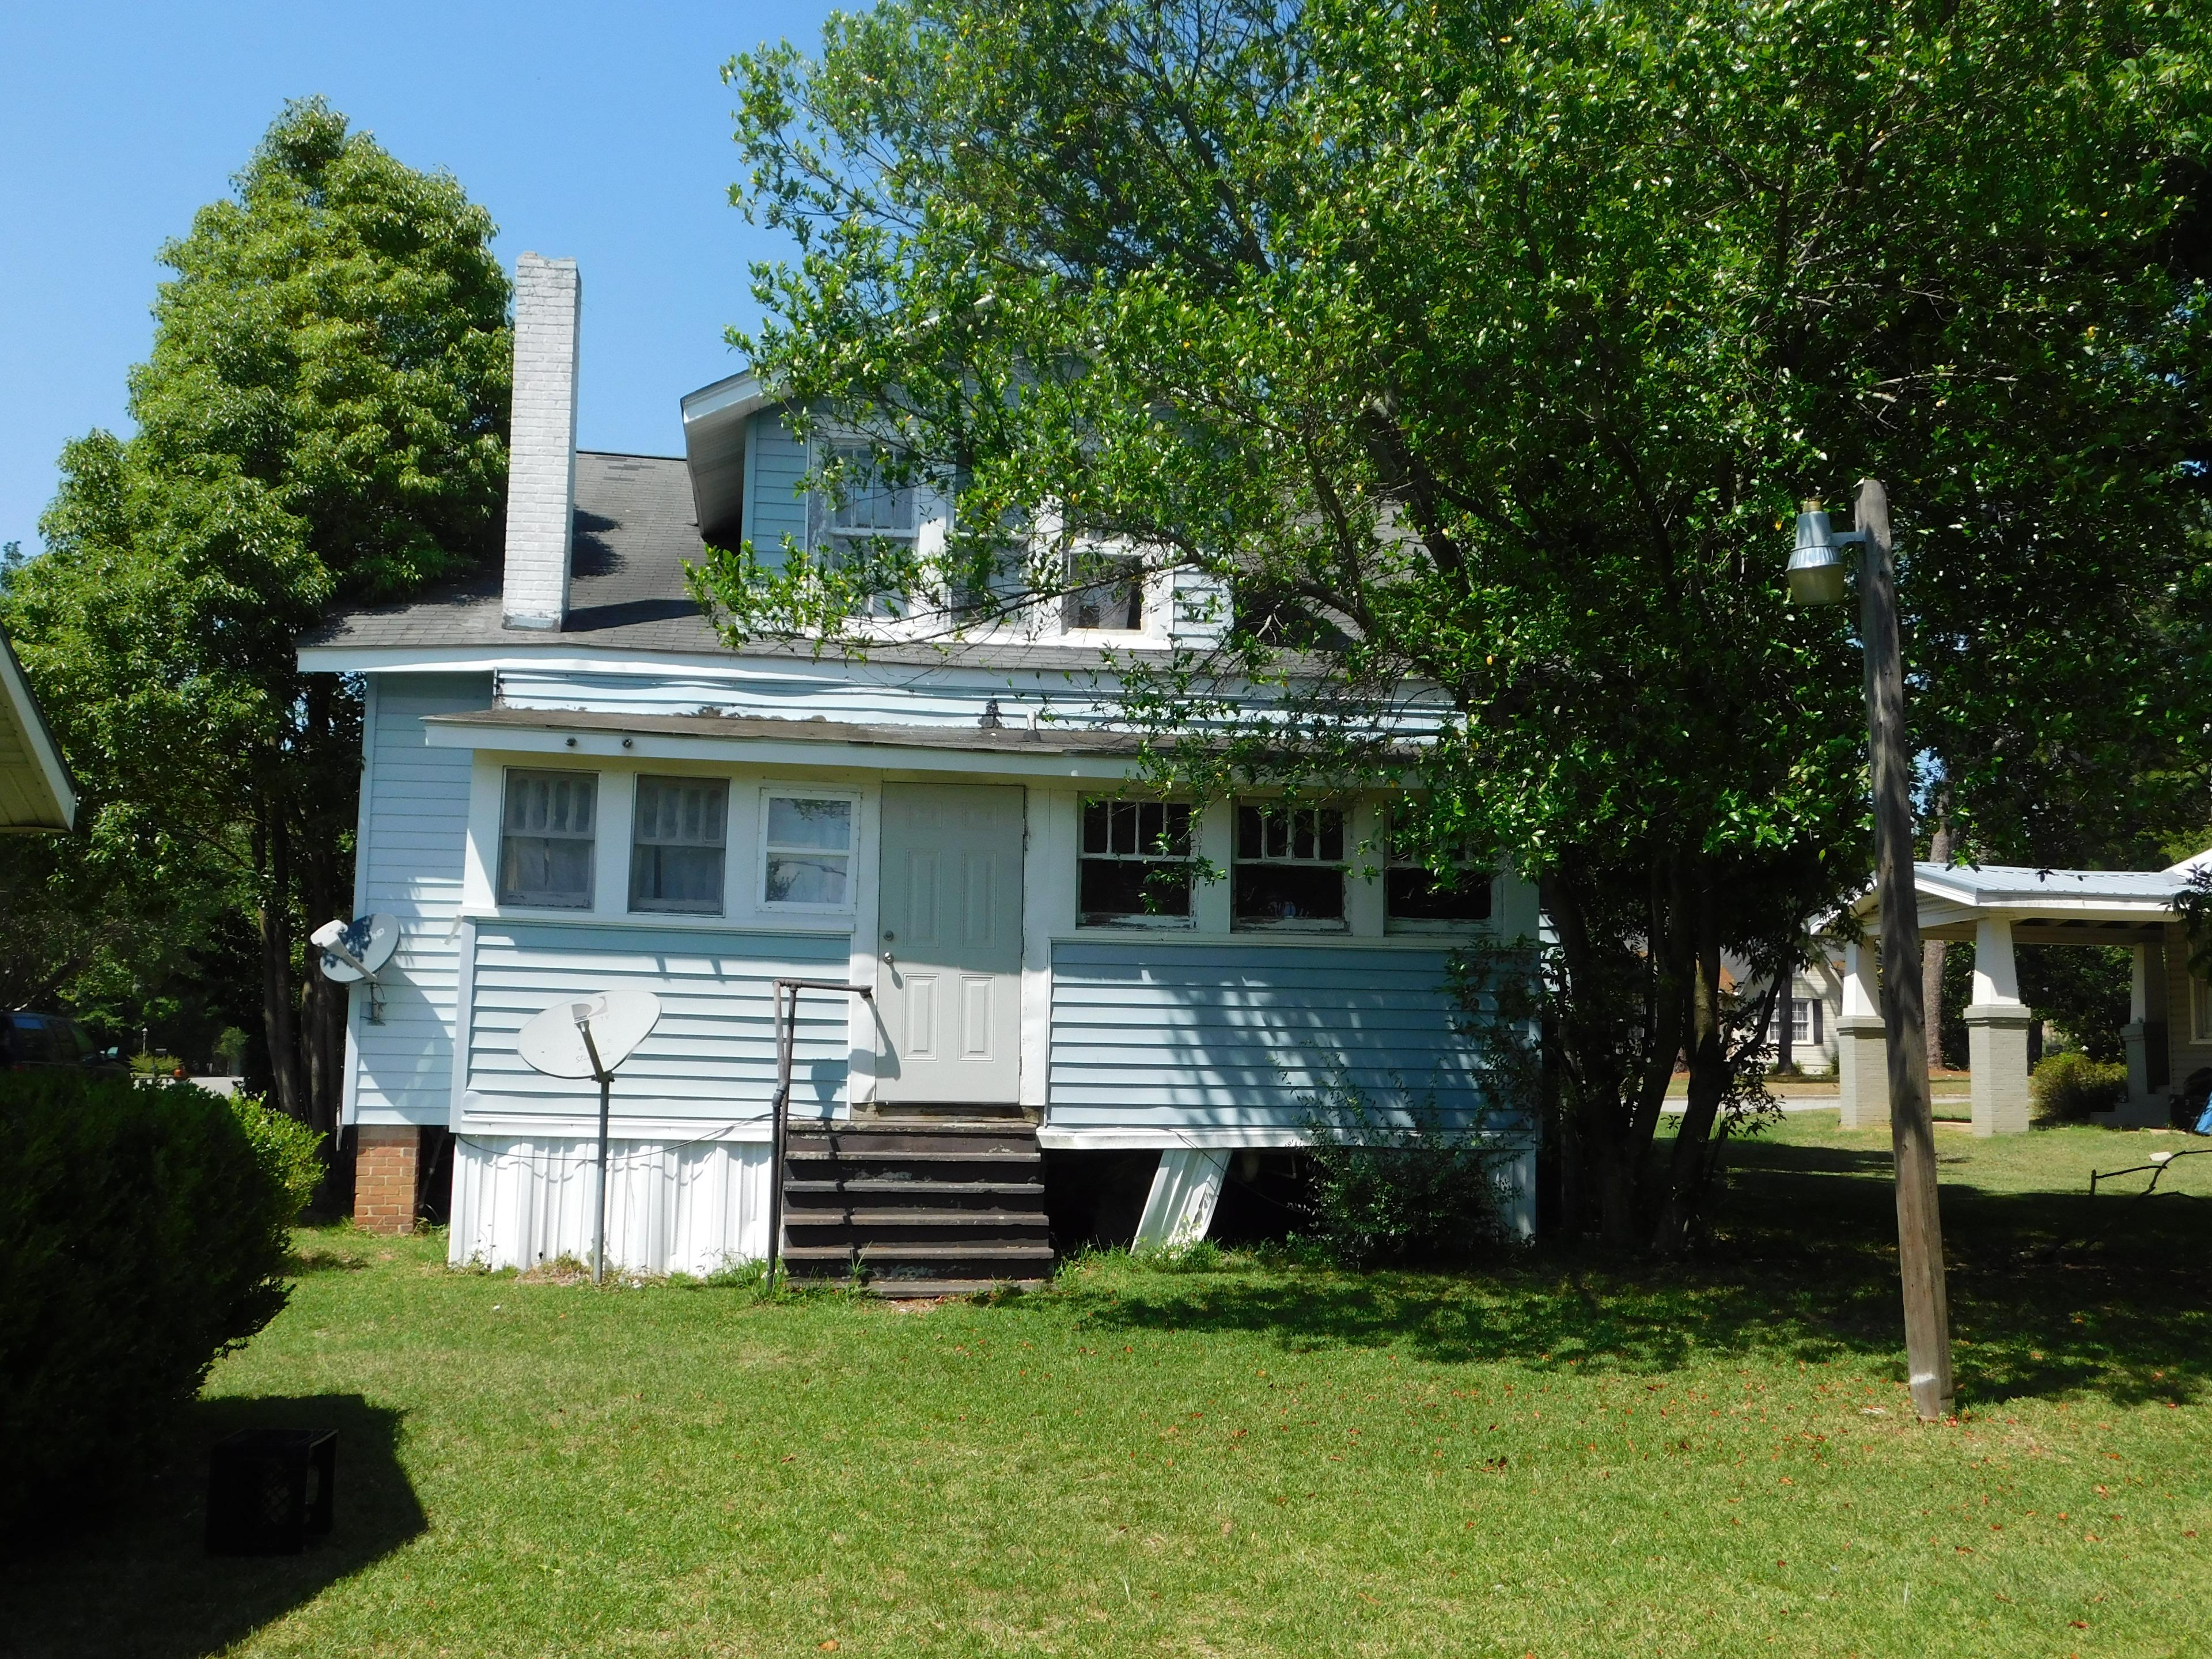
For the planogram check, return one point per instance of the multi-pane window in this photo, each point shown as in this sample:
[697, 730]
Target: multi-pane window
[1136, 863]
[807, 843]
[1111, 597]
[874, 520]
[1288, 870]
[677, 848]
[1804, 1023]
[1416, 897]
[2200, 1008]
[545, 840]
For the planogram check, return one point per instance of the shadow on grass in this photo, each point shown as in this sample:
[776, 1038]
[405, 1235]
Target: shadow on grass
[1801, 1266]
[144, 1585]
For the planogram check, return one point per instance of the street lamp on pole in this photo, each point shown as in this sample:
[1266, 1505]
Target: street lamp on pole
[1817, 570]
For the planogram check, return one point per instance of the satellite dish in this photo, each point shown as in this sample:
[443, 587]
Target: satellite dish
[356, 949]
[553, 1041]
[589, 1037]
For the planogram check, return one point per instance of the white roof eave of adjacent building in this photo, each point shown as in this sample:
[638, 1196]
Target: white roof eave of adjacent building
[1952, 896]
[36, 794]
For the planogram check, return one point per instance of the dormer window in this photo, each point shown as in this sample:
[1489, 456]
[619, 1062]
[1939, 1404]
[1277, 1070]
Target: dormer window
[1111, 598]
[876, 520]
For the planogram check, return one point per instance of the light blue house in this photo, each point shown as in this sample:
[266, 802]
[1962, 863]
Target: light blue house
[570, 784]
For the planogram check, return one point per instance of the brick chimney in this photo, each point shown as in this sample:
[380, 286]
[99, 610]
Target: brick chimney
[541, 465]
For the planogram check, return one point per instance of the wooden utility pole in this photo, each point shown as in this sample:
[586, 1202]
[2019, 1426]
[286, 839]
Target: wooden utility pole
[1913, 1131]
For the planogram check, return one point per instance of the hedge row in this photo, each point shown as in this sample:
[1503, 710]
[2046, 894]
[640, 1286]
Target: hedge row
[144, 1231]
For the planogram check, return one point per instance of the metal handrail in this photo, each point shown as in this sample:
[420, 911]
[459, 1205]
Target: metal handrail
[779, 1111]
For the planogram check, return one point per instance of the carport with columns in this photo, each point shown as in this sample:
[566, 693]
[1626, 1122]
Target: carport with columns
[1995, 907]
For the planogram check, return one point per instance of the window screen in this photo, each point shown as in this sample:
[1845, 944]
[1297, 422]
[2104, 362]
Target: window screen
[808, 852]
[677, 848]
[545, 839]
[1288, 867]
[1135, 863]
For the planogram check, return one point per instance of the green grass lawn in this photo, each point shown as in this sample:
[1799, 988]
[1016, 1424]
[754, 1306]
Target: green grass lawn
[1561, 1457]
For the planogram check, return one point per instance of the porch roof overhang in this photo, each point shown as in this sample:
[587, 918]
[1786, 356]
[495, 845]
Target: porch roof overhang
[2045, 907]
[1015, 750]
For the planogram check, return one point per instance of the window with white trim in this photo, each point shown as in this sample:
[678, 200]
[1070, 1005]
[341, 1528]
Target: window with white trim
[545, 840]
[680, 844]
[1289, 868]
[806, 851]
[1805, 1030]
[1111, 597]
[1135, 868]
[1417, 899]
[874, 519]
[2200, 1008]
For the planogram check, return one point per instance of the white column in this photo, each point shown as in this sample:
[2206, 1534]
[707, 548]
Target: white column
[1180, 1206]
[1996, 1033]
[2134, 1034]
[1862, 1047]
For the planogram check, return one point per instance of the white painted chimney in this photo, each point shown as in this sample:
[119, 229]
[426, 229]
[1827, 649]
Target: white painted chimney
[541, 456]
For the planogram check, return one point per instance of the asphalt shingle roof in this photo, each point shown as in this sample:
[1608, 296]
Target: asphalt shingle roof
[636, 529]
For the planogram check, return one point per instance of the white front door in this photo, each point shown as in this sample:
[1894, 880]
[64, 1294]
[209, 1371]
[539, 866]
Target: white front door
[949, 989]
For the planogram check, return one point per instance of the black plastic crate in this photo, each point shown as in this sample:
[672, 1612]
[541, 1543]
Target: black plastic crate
[270, 1491]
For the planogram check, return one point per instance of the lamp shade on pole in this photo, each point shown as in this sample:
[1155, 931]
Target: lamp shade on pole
[1817, 568]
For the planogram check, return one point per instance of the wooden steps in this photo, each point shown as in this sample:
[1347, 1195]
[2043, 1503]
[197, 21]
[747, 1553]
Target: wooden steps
[940, 1206]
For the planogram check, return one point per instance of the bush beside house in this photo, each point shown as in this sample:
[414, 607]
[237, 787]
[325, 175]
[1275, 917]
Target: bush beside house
[144, 1231]
[2070, 1086]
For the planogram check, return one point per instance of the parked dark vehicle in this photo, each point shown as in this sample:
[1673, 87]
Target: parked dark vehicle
[28, 1040]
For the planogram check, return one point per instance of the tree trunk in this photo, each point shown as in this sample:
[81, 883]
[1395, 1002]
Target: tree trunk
[273, 838]
[1704, 1041]
[1931, 951]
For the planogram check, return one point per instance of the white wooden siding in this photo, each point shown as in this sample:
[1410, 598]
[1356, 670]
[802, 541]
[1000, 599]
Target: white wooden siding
[710, 1062]
[413, 841]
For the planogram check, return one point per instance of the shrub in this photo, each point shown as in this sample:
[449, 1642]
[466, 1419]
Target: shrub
[144, 1231]
[2070, 1086]
[1398, 1187]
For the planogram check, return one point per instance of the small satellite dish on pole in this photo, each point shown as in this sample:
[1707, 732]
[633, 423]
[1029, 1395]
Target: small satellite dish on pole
[589, 1037]
[356, 949]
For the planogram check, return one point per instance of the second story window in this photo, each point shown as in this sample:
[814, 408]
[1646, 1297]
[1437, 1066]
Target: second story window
[1290, 868]
[874, 522]
[678, 843]
[545, 840]
[807, 852]
[1111, 595]
[1135, 864]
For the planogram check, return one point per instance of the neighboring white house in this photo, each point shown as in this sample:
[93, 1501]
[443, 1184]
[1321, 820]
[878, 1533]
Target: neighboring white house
[36, 795]
[570, 784]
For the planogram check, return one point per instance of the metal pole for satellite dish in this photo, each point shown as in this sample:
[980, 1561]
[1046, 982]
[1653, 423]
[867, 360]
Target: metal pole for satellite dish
[606, 1083]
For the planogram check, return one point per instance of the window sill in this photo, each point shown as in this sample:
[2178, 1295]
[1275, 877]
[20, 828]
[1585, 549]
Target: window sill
[658, 920]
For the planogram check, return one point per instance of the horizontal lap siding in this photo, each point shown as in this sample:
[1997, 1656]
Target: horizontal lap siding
[778, 461]
[1174, 1038]
[417, 840]
[713, 1056]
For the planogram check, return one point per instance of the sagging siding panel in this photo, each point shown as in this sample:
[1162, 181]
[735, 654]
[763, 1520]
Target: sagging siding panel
[1150, 1036]
[414, 825]
[520, 1200]
[711, 1058]
[774, 510]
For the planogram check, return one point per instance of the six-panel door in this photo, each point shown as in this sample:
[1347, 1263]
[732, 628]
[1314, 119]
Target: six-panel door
[949, 987]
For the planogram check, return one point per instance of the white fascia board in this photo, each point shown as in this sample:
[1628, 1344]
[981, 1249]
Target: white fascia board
[39, 739]
[779, 752]
[736, 395]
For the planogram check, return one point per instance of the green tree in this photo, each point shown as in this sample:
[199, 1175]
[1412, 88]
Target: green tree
[322, 418]
[1480, 352]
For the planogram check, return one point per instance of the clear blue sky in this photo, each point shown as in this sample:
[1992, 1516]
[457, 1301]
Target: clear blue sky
[600, 131]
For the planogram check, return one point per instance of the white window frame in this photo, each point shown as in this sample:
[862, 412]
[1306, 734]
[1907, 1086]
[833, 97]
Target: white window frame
[1185, 923]
[823, 535]
[762, 847]
[595, 843]
[2200, 1008]
[1394, 924]
[630, 874]
[1340, 923]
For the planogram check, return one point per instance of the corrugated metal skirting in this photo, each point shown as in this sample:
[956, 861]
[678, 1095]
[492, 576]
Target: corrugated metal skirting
[518, 1201]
